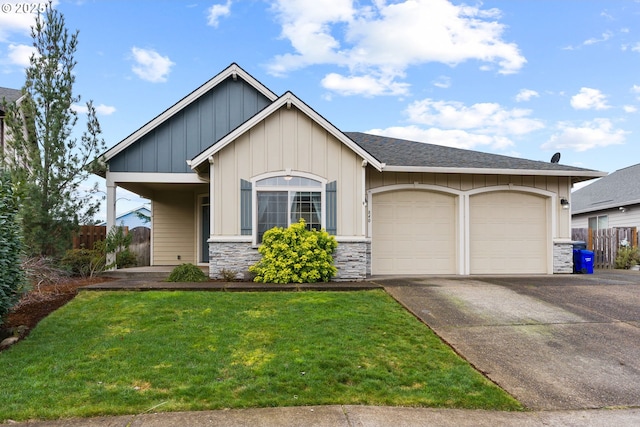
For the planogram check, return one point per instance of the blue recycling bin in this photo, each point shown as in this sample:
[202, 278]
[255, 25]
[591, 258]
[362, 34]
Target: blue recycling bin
[582, 261]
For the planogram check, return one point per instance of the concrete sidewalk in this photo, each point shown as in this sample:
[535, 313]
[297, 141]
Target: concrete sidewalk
[358, 416]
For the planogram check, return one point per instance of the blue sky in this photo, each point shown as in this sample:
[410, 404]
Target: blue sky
[524, 78]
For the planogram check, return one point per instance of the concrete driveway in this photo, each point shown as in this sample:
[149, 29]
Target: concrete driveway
[553, 342]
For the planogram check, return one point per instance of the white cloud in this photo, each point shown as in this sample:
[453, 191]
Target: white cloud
[15, 20]
[20, 54]
[363, 85]
[589, 99]
[585, 136]
[485, 118]
[604, 37]
[629, 108]
[218, 11]
[448, 137]
[636, 89]
[455, 124]
[382, 40]
[150, 65]
[526, 95]
[443, 82]
[101, 109]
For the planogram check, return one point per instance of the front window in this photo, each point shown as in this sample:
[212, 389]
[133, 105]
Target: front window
[282, 201]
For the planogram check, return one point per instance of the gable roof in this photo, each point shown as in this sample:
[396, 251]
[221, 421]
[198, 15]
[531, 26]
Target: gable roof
[615, 190]
[287, 100]
[9, 95]
[410, 156]
[233, 70]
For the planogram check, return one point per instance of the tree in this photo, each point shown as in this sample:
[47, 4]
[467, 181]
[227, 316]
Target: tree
[49, 162]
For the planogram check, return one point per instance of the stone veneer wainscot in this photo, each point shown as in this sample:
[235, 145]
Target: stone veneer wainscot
[352, 258]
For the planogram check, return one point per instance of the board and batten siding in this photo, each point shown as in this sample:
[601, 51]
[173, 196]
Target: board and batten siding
[174, 228]
[560, 186]
[288, 138]
[191, 130]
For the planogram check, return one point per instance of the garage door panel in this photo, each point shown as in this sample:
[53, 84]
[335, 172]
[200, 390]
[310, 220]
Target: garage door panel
[414, 233]
[508, 233]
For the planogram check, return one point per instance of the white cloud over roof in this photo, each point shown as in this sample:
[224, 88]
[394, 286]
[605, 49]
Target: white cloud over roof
[149, 65]
[585, 136]
[376, 43]
[455, 124]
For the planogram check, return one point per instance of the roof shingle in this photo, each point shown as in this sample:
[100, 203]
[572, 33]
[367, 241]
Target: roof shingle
[403, 153]
[617, 189]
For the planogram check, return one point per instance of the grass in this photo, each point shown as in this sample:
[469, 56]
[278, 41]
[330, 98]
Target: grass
[125, 352]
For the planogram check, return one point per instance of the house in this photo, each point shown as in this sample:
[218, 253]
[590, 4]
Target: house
[139, 217]
[232, 159]
[7, 96]
[610, 202]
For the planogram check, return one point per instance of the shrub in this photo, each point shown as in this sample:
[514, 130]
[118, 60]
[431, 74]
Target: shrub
[295, 255]
[627, 257]
[126, 259]
[187, 273]
[229, 275]
[83, 262]
[88, 262]
[12, 280]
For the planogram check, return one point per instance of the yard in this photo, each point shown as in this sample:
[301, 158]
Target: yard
[108, 353]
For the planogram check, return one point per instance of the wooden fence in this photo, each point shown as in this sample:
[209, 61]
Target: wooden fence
[605, 243]
[140, 245]
[88, 235]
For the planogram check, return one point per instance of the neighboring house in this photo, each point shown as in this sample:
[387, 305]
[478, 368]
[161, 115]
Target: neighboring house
[6, 96]
[232, 159]
[140, 217]
[612, 201]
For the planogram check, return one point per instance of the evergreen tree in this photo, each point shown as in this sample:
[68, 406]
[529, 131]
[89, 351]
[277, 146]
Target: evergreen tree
[49, 163]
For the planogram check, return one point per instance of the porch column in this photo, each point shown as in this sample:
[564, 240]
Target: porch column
[211, 204]
[111, 214]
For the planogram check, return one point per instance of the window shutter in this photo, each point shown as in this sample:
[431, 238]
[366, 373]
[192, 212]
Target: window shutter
[245, 208]
[331, 192]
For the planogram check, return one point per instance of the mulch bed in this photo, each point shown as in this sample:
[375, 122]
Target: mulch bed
[38, 303]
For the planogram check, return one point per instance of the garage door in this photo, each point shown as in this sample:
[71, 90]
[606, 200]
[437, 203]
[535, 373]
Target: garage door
[508, 233]
[414, 232]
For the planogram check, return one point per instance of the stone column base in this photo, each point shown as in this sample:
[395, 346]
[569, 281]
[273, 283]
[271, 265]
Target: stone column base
[352, 258]
[562, 258]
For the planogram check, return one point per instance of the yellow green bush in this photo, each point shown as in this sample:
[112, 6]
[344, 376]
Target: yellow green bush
[295, 255]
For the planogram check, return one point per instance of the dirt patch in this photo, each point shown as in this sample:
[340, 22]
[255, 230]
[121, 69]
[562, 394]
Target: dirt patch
[38, 303]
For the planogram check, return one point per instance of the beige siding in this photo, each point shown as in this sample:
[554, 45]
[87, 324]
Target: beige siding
[174, 230]
[287, 139]
[561, 186]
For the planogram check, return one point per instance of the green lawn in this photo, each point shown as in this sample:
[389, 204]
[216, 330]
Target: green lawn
[108, 353]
